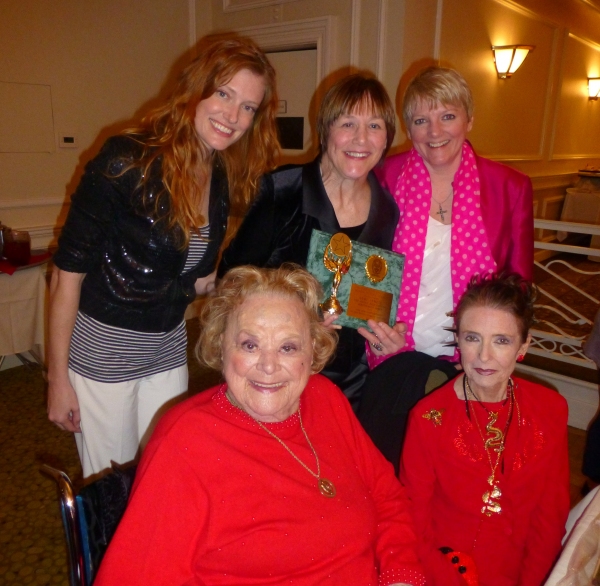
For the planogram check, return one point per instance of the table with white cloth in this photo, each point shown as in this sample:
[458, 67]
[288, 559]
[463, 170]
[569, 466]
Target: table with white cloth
[22, 310]
[582, 207]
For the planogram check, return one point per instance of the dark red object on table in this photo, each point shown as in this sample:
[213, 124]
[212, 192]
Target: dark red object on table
[34, 259]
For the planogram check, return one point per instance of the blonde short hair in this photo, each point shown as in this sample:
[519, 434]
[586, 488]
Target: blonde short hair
[238, 284]
[435, 86]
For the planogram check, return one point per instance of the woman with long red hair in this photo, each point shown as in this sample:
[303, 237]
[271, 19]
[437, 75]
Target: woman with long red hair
[141, 240]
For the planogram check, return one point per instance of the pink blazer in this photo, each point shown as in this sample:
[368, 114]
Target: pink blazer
[506, 208]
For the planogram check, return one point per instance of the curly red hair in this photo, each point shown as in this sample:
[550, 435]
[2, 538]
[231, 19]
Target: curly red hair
[168, 132]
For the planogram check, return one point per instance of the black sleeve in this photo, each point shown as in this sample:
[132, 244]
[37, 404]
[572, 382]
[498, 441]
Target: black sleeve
[254, 241]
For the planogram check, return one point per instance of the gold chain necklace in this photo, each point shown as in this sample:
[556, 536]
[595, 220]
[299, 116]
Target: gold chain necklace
[326, 487]
[496, 443]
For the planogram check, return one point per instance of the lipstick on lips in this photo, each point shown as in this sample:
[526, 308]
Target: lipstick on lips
[484, 371]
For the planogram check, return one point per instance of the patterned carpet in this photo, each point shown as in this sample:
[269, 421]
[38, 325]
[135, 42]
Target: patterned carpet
[32, 549]
[32, 545]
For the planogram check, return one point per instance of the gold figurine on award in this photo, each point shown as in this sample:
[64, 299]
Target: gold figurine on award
[337, 259]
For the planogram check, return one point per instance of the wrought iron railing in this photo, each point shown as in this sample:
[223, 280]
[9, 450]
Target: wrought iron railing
[565, 309]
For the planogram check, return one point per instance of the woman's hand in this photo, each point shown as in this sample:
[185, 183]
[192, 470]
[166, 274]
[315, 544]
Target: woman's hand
[63, 406]
[328, 322]
[383, 339]
[205, 285]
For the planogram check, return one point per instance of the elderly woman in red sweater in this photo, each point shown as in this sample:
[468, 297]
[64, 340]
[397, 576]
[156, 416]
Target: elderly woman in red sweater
[485, 460]
[268, 478]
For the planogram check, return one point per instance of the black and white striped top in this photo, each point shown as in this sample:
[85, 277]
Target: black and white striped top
[109, 354]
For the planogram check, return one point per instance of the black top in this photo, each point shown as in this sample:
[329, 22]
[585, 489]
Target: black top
[133, 263]
[290, 203]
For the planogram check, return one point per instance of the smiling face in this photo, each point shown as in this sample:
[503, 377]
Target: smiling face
[355, 145]
[489, 341]
[223, 118]
[267, 356]
[438, 134]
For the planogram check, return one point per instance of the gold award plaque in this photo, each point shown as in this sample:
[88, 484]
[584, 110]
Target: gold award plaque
[337, 259]
[376, 268]
[367, 303]
[340, 244]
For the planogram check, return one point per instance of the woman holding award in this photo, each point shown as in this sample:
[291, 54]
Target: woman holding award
[337, 192]
[460, 214]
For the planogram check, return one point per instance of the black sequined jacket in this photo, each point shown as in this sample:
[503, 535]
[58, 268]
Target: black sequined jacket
[133, 264]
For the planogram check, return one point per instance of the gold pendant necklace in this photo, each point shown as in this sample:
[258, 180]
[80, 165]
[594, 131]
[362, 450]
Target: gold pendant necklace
[325, 486]
[495, 443]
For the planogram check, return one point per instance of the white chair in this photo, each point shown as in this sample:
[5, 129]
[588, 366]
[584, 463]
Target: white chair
[578, 564]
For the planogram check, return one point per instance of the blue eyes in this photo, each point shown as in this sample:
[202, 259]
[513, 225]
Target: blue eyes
[372, 126]
[224, 95]
[445, 117]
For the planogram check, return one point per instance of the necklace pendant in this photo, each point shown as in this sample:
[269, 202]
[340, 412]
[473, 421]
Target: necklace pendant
[491, 505]
[326, 488]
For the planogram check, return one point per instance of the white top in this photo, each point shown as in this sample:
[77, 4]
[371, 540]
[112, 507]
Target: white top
[435, 293]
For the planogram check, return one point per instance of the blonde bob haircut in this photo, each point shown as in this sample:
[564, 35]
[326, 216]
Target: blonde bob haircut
[437, 86]
[360, 93]
[239, 284]
[168, 134]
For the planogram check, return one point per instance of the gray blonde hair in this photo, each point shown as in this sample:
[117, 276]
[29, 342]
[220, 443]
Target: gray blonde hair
[238, 284]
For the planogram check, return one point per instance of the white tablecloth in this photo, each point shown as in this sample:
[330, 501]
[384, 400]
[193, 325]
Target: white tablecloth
[22, 305]
[582, 207]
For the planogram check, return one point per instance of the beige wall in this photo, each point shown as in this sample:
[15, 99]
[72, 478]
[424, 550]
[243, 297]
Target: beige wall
[106, 60]
[539, 121]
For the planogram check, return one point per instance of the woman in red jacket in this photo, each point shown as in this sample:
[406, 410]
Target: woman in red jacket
[485, 460]
[267, 479]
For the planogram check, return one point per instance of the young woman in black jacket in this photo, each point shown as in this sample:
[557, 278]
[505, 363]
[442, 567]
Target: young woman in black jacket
[141, 240]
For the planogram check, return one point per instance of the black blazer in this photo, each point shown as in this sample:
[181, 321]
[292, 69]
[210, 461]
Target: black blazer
[290, 203]
[133, 263]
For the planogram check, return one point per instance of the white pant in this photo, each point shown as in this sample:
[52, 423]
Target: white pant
[117, 419]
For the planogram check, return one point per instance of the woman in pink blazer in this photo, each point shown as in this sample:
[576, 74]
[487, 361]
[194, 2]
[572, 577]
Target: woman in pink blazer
[460, 214]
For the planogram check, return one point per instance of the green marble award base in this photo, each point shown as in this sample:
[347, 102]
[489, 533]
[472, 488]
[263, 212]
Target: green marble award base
[369, 287]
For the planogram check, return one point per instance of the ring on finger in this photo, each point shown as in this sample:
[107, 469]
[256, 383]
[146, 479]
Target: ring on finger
[377, 346]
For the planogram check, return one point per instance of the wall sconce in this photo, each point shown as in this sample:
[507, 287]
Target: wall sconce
[594, 87]
[508, 58]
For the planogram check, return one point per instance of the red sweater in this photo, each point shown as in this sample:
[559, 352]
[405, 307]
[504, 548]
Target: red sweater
[217, 501]
[445, 469]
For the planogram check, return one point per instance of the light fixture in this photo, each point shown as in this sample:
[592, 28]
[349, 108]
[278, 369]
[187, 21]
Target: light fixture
[594, 87]
[508, 58]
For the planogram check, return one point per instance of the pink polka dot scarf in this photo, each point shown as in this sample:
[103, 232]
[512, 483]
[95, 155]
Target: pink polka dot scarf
[470, 251]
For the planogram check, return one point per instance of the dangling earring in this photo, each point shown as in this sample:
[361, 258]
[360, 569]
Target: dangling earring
[520, 357]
